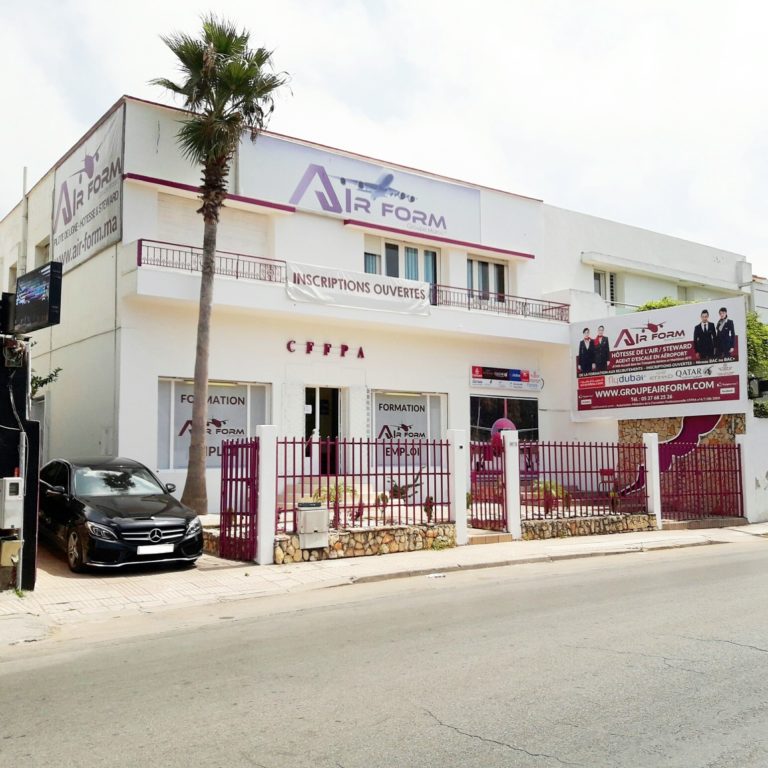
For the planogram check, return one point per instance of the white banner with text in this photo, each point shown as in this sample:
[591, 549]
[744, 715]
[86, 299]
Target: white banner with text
[358, 290]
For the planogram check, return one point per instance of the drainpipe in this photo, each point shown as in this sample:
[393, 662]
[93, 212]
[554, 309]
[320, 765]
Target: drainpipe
[21, 261]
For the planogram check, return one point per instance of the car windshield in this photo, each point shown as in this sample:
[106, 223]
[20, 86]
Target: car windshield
[117, 481]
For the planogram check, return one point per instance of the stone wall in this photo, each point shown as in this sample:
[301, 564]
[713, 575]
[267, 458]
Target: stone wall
[211, 541]
[587, 526]
[730, 425]
[373, 541]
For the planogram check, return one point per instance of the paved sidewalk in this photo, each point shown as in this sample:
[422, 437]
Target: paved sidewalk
[62, 597]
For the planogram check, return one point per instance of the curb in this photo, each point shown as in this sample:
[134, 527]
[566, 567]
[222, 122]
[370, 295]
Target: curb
[547, 558]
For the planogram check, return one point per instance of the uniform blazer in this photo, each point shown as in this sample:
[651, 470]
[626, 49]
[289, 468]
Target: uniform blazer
[586, 356]
[726, 337]
[602, 353]
[704, 340]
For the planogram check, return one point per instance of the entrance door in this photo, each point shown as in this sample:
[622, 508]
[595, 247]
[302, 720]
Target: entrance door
[321, 413]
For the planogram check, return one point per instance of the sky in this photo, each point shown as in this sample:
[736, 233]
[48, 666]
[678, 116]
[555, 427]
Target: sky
[648, 112]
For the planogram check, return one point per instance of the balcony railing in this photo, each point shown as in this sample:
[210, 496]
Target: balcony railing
[189, 258]
[499, 303]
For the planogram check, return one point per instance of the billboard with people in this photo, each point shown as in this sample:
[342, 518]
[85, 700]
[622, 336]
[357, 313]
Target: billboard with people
[680, 361]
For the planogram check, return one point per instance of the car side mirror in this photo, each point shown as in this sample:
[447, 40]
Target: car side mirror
[170, 487]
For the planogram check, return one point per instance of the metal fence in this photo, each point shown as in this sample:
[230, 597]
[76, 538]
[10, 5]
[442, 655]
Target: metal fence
[500, 303]
[699, 481]
[187, 258]
[487, 495]
[364, 483]
[239, 499]
[566, 480]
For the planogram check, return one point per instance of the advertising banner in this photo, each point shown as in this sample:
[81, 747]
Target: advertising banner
[87, 202]
[227, 420]
[334, 287]
[681, 361]
[404, 418]
[518, 379]
[321, 181]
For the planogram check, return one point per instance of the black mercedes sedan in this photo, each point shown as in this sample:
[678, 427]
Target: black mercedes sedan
[111, 512]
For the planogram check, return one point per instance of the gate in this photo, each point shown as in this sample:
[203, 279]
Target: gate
[239, 499]
[487, 487]
[699, 481]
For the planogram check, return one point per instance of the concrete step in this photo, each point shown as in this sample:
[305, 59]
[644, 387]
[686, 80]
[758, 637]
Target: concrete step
[489, 537]
[704, 522]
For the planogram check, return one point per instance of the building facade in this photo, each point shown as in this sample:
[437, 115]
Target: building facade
[353, 297]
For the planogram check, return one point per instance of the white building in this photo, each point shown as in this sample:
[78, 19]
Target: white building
[355, 297]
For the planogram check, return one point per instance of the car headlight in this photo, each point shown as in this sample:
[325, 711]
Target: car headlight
[100, 532]
[194, 527]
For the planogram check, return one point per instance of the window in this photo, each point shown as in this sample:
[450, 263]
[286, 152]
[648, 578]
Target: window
[42, 253]
[411, 263]
[605, 285]
[234, 411]
[486, 279]
[392, 260]
[372, 263]
[430, 267]
[408, 416]
[401, 260]
[485, 411]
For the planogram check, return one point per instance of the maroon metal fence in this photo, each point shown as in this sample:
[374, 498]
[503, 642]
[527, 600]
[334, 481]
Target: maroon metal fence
[699, 481]
[364, 483]
[565, 480]
[487, 497]
[239, 499]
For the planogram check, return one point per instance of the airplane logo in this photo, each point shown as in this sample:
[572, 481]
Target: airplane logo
[652, 327]
[89, 165]
[381, 188]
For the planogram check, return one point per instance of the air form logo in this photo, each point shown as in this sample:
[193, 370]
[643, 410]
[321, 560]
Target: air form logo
[399, 432]
[366, 197]
[95, 175]
[214, 427]
[629, 337]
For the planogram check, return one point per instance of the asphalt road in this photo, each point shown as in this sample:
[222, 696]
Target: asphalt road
[643, 660]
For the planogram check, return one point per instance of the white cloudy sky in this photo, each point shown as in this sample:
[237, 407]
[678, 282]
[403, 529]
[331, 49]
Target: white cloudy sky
[650, 112]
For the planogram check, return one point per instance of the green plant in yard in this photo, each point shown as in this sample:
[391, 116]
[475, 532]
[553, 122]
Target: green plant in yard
[469, 499]
[552, 494]
[335, 493]
[761, 409]
[405, 490]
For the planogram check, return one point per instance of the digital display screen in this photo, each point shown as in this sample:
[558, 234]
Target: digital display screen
[38, 299]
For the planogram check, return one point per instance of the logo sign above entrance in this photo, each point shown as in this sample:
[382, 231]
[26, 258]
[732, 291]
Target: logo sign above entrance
[87, 196]
[357, 290]
[326, 182]
[688, 360]
[506, 378]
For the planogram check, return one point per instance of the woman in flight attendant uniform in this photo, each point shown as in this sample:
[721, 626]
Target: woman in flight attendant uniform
[586, 357]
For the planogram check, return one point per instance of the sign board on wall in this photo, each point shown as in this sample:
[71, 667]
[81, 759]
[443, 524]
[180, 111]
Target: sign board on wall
[87, 201]
[506, 378]
[359, 290]
[321, 181]
[666, 362]
[227, 420]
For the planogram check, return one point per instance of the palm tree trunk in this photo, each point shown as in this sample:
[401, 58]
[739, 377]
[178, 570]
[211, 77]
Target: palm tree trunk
[195, 493]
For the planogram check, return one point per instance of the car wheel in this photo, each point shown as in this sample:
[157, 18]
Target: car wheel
[75, 552]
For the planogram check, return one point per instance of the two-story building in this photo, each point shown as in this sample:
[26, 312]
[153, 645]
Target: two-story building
[353, 297]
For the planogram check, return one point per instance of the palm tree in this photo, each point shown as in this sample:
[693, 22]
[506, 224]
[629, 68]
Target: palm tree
[228, 90]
